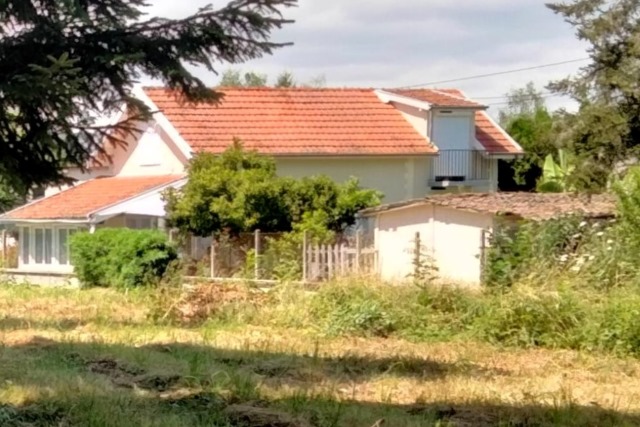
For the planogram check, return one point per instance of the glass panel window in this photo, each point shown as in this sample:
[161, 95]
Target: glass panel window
[48, 245]
[39, 245]
[63, 250]
[25, 243]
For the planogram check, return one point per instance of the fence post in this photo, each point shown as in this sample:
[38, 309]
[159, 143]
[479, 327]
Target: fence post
[416, 255]
[304, 257]
[4, 249]
[256, 249]
[358, 250]
[212, 257]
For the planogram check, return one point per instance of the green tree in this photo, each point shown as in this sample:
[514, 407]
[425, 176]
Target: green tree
[8, 198]
[240, 191]
[235, 78]
[65, 64]
[606, 128]
[528, 121]
[285, 80]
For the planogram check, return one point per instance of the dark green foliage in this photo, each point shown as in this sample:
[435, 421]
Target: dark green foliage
[121, 257]
[63, 64]
[535, 319]
[516, 247]
[606, 128]
[527, 120]
[239, 191]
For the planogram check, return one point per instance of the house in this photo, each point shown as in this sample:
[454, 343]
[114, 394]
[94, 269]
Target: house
[405, 143]
[454, 229]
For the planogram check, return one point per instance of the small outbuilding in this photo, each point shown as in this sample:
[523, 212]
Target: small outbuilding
[454, 229]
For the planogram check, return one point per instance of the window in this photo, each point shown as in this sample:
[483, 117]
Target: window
[46, 246]
[25, 243]
[141, 222]
[63, 249]
[39, 246]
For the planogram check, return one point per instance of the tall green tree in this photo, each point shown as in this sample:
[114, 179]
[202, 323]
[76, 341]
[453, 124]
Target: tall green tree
[528, 121]
[235, 78]
[65, 64]
[239, 191]
[606, 128]
[286, 79]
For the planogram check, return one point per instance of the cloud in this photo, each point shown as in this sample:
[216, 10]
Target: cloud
[386, 43]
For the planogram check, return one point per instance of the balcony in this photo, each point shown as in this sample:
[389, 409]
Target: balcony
[460, 167]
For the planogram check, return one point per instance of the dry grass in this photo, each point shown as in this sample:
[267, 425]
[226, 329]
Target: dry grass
[85, 358]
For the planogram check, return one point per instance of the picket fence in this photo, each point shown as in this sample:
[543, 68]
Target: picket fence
[326, 262]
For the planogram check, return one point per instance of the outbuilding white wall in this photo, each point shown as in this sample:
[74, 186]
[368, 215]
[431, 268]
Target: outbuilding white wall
[452, 237]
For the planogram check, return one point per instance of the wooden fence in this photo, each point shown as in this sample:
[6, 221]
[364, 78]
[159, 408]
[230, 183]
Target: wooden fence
[326, 262]
[225, 258]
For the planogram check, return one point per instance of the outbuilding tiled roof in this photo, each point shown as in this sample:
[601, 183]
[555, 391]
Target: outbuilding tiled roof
[534, 206]
[88, 197]
[297, 121]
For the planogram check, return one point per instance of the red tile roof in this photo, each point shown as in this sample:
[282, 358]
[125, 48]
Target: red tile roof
[88, 197]
[296, 121]
[439, 97]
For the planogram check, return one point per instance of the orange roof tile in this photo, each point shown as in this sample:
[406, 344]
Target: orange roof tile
[296, 121]
[438, 97]
[88, 197]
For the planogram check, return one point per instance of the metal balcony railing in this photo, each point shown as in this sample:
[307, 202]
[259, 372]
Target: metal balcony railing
[461, 165]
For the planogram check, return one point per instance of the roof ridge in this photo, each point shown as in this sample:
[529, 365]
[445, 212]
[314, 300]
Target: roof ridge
[273, 89]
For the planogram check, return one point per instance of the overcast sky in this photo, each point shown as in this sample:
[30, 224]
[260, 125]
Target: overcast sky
[393, 43]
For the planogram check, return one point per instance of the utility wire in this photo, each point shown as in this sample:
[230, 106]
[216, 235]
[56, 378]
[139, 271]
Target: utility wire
[499, 73]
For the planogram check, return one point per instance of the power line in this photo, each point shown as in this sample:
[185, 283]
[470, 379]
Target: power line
[552, 95]
[542, 94]
[499, 73]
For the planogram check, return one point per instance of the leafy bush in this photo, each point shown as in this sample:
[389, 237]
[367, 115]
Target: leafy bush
[121, 257]
[530, 318]
[614, 325]
[520, 249]
[239, 191]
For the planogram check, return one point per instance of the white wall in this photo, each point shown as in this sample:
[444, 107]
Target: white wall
[457, 242]
[395, 240]
[399, 178]
[152, 153]
[416, 117]
[453, 238]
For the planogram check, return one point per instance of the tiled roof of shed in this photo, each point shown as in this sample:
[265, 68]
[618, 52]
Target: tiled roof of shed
[534, 206]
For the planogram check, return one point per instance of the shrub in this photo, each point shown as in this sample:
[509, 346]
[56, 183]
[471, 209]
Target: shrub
[521, 249]
[353, 309]
[614, 326]
[531, 318]
[121, 257]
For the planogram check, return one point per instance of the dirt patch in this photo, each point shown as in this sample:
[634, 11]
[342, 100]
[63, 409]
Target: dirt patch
[202, 302]
[197, 402]
[32, 416]
[126, 376]
[253, 416]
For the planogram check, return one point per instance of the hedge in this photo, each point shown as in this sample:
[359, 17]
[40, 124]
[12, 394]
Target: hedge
[121, 257]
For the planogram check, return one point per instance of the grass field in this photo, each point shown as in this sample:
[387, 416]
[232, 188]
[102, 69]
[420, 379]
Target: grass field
[93, 358]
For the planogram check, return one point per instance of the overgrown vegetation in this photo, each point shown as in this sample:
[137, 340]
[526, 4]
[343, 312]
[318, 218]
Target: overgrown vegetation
[239, 191]
[97, 357]
[121, 257]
